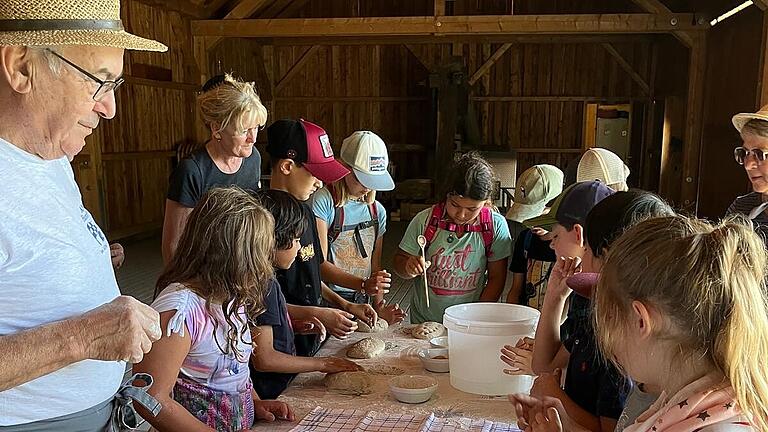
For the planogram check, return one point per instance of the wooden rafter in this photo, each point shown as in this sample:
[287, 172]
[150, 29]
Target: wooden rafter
[294, 7]
[762, 4]
[213, 6]
[275, 9]
[627, 67]
[184, 7]
[482, 70]
[296, 68]
[244, 9]
[448, 25]
[658, 8]
[652, 6]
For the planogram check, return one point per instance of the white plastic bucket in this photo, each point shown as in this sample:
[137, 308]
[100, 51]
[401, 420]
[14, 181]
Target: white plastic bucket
[476, 334]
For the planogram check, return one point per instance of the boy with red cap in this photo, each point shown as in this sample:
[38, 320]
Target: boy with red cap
[302, 160]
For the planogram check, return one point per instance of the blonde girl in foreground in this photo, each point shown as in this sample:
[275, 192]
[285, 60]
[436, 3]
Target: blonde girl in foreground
[681, 307]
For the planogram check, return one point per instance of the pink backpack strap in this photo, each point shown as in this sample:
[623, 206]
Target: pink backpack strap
[486, 221]
[433, 222]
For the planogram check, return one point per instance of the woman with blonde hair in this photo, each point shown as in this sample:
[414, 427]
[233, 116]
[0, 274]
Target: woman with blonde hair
[210, 295]
[234, 114]
[681, 306]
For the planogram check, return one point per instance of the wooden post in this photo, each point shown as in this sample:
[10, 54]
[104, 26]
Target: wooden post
[693, 124]
[762, 83]
[201, 60]
[439, 7]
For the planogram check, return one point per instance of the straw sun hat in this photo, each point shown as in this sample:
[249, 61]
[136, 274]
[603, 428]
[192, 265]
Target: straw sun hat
[68, 22]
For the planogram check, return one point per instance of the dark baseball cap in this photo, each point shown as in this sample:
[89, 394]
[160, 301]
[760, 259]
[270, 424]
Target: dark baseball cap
[307, 144]
[573, 205]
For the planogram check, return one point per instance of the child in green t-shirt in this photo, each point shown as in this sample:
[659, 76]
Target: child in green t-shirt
[467, 244]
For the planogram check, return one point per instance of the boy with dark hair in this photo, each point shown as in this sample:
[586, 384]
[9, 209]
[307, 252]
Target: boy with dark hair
[274, 361]
[594, 391]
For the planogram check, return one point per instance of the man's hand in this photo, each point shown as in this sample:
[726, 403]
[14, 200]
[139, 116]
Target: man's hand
[123, 329]
[337, 322]
[336, 364]
[117, 253]
[547, 421]
[519, 357]
[313, 326]
[378, 283]
[271, 410]
[363, 312]
[390, 312]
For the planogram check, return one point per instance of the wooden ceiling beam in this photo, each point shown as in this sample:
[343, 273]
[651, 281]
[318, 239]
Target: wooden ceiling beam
[486, 67]
[448, 25]
[659, 8]
[244, 9]
[482, 39]
[762, 4]
[627, 67]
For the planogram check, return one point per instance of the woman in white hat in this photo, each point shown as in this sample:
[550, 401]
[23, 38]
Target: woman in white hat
[753, 128]
[351, 225]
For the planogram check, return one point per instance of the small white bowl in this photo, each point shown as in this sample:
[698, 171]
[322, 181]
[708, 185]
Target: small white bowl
[412, 389]
[433, 364]
[439, 342]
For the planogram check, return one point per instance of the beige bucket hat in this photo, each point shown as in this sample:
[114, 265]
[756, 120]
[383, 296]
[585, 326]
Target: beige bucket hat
[739, 120]
[68, 22]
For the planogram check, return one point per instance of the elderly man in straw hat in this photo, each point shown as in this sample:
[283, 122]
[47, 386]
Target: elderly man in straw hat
[65, 331]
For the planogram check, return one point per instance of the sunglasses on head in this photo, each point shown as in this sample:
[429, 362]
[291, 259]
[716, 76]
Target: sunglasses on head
[741, 154]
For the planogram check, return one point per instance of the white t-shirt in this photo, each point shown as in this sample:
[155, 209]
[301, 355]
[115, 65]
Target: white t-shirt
[54, 264]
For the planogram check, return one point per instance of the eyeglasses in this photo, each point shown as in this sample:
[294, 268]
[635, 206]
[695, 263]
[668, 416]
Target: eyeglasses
[741, 154]
[104, 86]
[250, 131]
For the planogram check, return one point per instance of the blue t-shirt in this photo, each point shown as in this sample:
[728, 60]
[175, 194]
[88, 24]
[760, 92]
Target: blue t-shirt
[269, 385]
[458, 271]
[344, 251]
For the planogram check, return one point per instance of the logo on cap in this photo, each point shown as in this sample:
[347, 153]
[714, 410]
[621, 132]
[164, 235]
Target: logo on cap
[326, 144]
[377, 164]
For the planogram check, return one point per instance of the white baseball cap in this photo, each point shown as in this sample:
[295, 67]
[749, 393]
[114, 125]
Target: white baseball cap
[602, 164]
[367, 155]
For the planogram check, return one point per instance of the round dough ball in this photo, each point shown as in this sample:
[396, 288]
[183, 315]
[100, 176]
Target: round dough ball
[355, 383]
[366, 348]
[380, 326]
[428, 330]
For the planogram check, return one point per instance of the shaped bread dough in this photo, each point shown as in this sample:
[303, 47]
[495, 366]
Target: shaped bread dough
[366, 348]
[380, 326]
[428, 330]
[355, 383]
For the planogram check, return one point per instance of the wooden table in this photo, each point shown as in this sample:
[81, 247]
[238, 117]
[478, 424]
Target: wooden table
[307, 391]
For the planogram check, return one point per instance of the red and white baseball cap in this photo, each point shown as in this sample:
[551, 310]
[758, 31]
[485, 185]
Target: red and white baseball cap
[307, 144]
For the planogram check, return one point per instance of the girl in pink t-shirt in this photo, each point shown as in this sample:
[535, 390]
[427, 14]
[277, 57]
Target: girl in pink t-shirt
[211, 292]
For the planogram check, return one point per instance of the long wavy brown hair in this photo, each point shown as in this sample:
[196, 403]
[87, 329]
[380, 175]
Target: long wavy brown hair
[224, 257]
